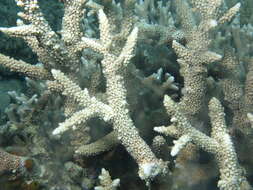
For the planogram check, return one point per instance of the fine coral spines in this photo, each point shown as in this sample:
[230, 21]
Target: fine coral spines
[119, 95]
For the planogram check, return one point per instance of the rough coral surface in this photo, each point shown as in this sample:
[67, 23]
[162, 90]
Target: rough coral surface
[112, 76]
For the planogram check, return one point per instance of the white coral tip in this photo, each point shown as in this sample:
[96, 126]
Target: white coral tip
[159, 129]
[54, 71]
[213, 23]
[238, 5]
[149, 170]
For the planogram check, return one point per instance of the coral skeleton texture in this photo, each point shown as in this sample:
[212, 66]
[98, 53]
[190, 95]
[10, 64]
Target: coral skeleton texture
[94, 69]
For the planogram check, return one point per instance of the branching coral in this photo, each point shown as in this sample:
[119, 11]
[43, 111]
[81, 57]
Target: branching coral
[219, 144]
[195, 56]
[115, 65]
[105, 57]
[106, 182]
[116, 111]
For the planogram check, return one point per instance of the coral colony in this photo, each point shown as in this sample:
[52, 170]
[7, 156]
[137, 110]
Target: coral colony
[167, 84]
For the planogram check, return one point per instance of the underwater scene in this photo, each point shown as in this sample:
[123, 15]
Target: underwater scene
[126, 95]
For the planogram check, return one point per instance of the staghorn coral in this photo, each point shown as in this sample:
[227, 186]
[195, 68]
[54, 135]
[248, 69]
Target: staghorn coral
[106, 182]
[195, 56]
[219, 144]
[15, 166]
[91, 74]
[11, 163]
[117, 110]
